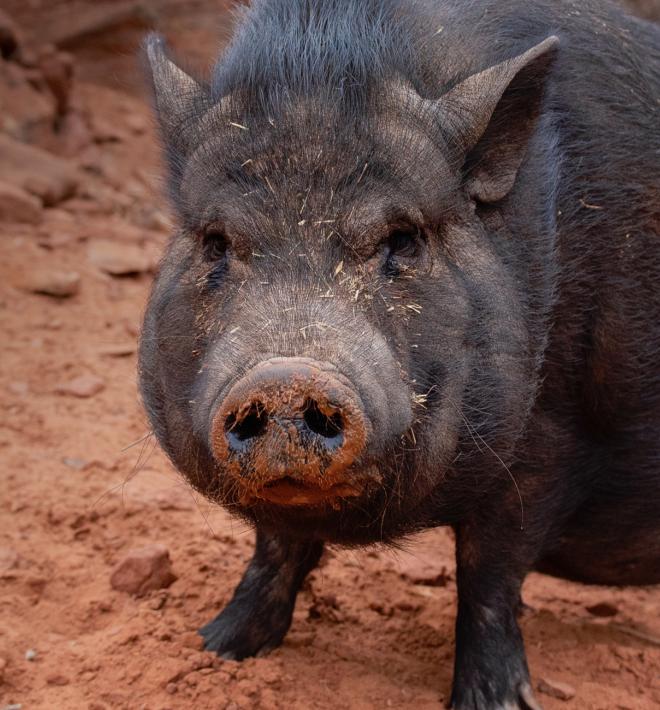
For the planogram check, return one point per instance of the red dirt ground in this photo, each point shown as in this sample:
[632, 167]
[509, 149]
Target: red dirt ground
[372, 629]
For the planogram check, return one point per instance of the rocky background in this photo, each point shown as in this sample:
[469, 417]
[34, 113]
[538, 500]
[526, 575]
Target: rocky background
[108, 562]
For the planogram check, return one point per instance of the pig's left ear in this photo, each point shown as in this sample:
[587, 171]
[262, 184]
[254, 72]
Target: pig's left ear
[490, 116]
[178, 98]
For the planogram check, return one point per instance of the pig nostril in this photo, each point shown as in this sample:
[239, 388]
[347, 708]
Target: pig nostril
[251, 424]
[288, 417]
[327, 426]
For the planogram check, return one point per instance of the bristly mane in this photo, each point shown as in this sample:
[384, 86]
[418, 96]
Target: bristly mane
[301, 47]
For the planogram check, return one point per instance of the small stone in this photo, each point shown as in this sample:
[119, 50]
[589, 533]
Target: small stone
[76, 464]
[158, 602]
[57, 679]
[60, 284]
[132, 328]
[50, 178]
[137, 123]
[118, 350]
[30, 654]
[54, 240]
[118, 259]
[270, 673]
[9, 559]
[16, 205]
[603, 609]
[12, 706]
[191, 639]
[106, 130]
[143, 569]
[155, 220]
[171, 688]
[54, 324]
[19, 387]
[82, 386]
[556, 689]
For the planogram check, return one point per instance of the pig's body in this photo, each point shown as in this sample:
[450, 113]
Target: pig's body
[592, 437]
[489, 362]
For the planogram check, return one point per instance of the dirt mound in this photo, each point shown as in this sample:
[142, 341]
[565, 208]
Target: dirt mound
[85, 493]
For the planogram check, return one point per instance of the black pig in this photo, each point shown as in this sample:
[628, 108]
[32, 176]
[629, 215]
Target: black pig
[416, 282]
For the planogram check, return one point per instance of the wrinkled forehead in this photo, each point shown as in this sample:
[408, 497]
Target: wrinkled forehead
[314, 156]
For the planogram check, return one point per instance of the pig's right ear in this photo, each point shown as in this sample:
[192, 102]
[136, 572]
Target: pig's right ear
[179, 100]
[489, 119]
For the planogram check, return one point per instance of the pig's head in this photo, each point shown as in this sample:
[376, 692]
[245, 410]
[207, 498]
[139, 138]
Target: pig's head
[347, 313]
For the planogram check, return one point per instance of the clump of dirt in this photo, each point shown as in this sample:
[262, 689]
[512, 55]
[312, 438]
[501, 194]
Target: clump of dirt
[84, 490]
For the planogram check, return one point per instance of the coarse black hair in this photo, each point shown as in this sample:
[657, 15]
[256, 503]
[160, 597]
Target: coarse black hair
[303, 47]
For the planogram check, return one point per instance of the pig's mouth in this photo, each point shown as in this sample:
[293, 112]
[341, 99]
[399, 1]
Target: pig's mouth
[289, 491]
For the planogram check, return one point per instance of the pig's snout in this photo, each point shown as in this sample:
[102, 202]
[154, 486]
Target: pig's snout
[289, 431]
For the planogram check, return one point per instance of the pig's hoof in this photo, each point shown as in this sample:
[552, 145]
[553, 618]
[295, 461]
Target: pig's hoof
[473, 699]
[239, 632]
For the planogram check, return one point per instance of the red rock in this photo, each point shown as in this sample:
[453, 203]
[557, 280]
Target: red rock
[422, 568]
[143, 569]
[74, 135]
[34, 170]
[26, 113]
[57, 71]
[556, 689]
[119, 259]
[82, 386]
[60, 284]
[106, 130]
[16, 205]
[154, 219]
[55, 240]
[95, 19]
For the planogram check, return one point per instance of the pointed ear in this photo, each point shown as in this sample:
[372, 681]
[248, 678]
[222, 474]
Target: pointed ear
[178, 98]
[490, 117]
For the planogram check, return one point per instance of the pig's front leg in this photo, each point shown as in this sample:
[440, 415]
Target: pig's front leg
[259, 614]
[490, 671]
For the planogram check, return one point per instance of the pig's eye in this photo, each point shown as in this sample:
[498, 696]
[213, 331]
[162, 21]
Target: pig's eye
[404, 246]
[215, 244]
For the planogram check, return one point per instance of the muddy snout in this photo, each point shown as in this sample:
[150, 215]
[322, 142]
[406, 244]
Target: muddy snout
[289, 432]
